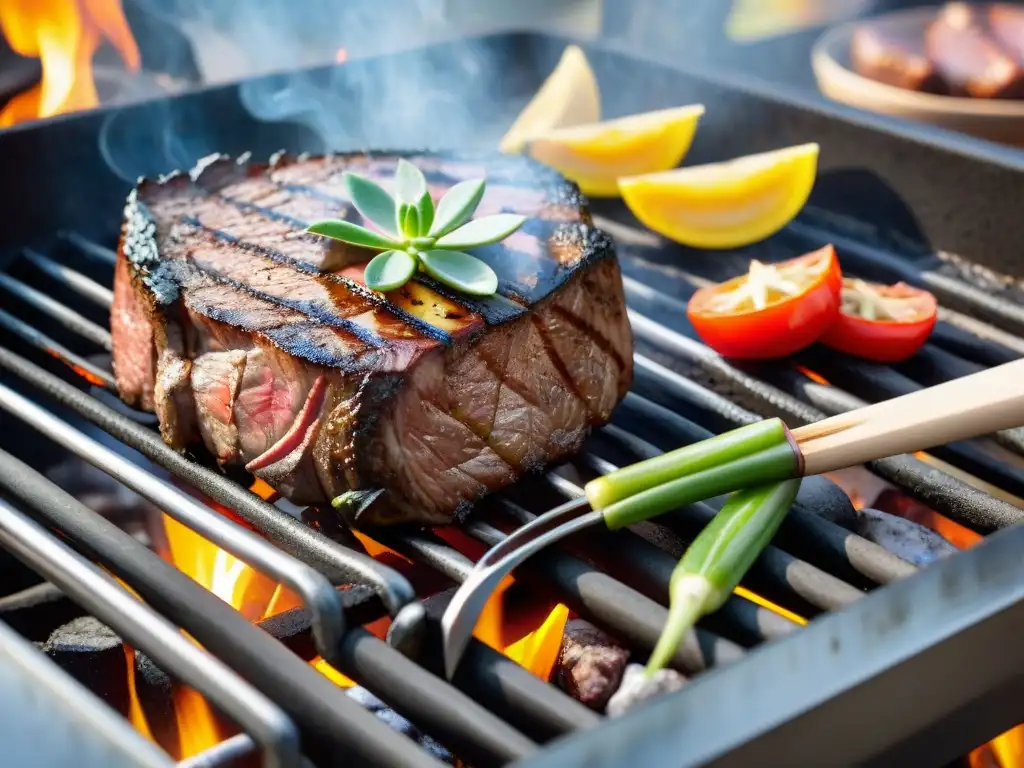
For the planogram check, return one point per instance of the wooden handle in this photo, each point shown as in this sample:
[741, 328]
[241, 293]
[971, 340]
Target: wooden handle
[966, 407]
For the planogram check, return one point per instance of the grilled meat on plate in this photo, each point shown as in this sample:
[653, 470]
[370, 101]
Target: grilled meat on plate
[242, 331]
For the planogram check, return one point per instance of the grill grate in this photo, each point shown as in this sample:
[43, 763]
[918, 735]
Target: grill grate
[494, 711]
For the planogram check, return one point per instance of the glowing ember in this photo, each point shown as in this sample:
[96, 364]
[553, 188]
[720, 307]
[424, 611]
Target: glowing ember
[816, 378]
[63, 35]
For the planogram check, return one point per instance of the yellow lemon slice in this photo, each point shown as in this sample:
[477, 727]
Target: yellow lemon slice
[568, 97]
[596, 155]
[725, 205]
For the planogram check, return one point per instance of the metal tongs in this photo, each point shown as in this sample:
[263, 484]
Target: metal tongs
[967, 407]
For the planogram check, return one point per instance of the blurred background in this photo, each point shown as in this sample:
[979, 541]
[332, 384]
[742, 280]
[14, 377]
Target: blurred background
[113, 51]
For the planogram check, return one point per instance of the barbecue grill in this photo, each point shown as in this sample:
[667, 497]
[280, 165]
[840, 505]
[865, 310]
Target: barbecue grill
[895, 667]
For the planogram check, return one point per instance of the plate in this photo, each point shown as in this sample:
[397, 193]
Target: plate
[999, 120]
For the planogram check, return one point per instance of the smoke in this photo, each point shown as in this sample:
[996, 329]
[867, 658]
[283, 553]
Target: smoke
[453, 96]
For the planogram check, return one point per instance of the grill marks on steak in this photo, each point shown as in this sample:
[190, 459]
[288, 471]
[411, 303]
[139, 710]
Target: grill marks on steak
[273, 353]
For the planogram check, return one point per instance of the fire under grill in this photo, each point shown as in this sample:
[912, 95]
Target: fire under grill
[919, 672]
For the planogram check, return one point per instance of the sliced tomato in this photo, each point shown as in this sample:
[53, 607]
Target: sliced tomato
[773, 310]
[885, 323]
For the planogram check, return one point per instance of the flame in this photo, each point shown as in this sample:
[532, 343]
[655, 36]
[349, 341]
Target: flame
[341, 56]
[136, 715]
[63, 35]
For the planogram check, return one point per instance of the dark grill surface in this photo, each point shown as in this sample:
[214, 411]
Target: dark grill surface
[57, 388]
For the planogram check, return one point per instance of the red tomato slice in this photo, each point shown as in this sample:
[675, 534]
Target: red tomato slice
[885, 323]
[773, 310]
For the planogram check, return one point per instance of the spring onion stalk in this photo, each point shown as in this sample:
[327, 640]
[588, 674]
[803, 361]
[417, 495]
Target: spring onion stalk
[604, 491]
[779, 462]
[716, 561]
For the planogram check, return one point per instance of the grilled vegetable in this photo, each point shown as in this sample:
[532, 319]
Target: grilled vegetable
[773, 310]
[751, 455]
[886, 323]
[712, 567]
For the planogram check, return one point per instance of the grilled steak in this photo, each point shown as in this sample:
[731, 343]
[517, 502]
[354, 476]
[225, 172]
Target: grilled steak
[242, 331]
[960, 43]
[894, 57]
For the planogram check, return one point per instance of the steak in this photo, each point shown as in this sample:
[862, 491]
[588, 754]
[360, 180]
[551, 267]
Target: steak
[259, 340]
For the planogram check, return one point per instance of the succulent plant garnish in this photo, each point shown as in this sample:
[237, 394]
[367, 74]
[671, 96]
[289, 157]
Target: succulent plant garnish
[417, 235]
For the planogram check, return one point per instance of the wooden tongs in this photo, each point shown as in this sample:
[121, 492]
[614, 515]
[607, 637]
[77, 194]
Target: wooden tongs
[967, 407]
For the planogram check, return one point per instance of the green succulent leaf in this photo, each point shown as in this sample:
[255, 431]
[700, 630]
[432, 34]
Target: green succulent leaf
[482, 231]
[389, 270]
[400, 210]
[410, 221]
[410, 184]
[460, 271]
[347, 232]
[425, 208]
[372, 201]
[457, 205]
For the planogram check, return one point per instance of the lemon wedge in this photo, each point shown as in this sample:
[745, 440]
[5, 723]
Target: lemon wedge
[597, 155]
[569, 96]
[725, 205]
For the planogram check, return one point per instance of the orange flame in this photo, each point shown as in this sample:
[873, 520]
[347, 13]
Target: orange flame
[63, 35]
[341, 56]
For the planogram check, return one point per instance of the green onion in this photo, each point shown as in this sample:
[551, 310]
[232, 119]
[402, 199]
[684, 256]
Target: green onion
[716, 561]
[604, 491]
[772, 464]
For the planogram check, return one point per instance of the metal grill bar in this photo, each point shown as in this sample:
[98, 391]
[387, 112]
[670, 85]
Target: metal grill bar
[440, 710]
[70, 319]
[341, 565]
[315, 590]
[504, 687]
[89, 248]
[975, 340]
[41, 341]
[76, 281]
[40, 700]
[221, 755]
[149, 631]
[334, 728]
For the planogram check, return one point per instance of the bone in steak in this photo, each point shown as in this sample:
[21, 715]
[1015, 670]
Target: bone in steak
[242, 331]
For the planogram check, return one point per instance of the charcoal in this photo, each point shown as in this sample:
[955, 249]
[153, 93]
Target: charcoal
[91, 652]
[590, 664]
[36, 611]
[903, 538]
[637, 687]
[372, 704]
